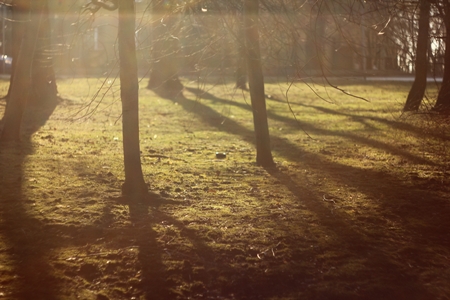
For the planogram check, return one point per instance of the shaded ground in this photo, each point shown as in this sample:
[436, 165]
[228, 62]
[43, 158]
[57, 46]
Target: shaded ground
[358, 211]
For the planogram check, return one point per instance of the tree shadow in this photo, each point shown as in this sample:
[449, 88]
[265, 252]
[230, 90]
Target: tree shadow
[307, 127]
[27, 241]
[394, 124]
[399, 202]
[396, 282]
[28, 244]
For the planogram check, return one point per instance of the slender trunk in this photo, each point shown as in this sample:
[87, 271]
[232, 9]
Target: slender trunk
[21, 84]
[417, 91]
[256, 84]
[443, 100]
[241, 70]
[166, 48]
[129, 89]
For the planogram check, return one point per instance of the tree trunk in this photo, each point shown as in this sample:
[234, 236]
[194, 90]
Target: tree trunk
[43, 77]
[20, 14]
[241, 70]
[417, 91]
[166, 48]
[256, 84]
[21, 84]
[129, 89]
[443, 101]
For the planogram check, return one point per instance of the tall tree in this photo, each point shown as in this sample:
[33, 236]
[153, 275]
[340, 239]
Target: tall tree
[417, 90]
[43, 79]
[129, 88]
[443, 101]
[256, 83]
[43, 83]
[21, 83]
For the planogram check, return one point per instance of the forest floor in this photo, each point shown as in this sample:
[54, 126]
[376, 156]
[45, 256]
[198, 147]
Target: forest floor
[357, 207]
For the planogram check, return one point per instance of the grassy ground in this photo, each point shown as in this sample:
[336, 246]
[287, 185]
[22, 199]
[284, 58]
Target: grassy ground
[357, 207]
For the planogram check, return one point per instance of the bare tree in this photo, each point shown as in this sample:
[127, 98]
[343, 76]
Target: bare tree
[43, 83]
[129, 88]
[166, 48]
[443, 100]
[417, 90]
[134, 184]
[22, 80]
[256, 83]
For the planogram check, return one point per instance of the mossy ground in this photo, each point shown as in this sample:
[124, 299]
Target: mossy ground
[357, 207]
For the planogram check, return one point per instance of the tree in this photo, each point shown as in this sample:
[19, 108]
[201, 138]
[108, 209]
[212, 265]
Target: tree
[256, 83]
[443, 100]
[134, 184]
[22, 80]
[166, 49]
[43, 83]
[417, 90]
[129, 88]
[241, 70]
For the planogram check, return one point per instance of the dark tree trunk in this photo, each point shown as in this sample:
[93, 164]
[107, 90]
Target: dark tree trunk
[129, 88]
[256, 84]
[417, 90]
[443, 101]
[21, 84]
[166, 51]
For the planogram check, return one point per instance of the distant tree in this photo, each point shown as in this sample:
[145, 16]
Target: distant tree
[21, 85]
[241, 70]
[417, 90]
[443, 100]
[166, 48]
[256, 83]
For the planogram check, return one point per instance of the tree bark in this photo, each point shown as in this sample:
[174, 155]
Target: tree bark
[129, 89]
[43, 76]
[21, 84]
[417, 90]
[256, 84]
[443, 100]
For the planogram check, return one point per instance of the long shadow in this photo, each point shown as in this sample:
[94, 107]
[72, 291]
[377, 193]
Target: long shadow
[319, 131]
[384, 187]
[200, 267]
[154, 282]
[396, 282]
[292, 152]
[394, 124]
[28, 243]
